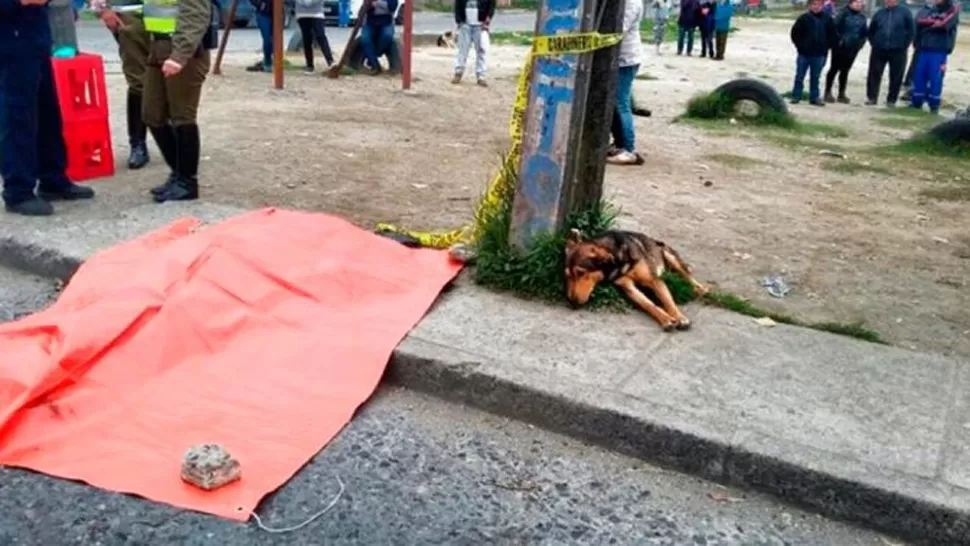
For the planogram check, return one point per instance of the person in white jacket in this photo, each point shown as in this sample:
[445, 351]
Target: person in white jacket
[624, 150]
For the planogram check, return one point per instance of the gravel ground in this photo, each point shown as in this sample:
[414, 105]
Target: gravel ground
[421, 471]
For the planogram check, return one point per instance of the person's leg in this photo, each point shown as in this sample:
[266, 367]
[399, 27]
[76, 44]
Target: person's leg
[306, 30]
[265, 24]
[847, 63]
[913, 62]
[690, 41]
[703, 43]
[368, 35]
[897, 67]
[798, 88]
[19, 86]
[624, 89]
[385, 39]
[721, 45]
[815, 65]
[155, 113]
[877, 65]
[133, 51]
[481, 39]
[835, 67]
[616, 130]
[920, 84]
[183, 92]
[320, 33]
[681, 37]
[658, 33]
[461, 56]
[936, 67]
[51, 149]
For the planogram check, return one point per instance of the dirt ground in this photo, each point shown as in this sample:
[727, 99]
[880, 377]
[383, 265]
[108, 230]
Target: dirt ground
[863, 246]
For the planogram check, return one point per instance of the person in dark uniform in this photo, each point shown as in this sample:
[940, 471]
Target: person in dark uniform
[31, 140]
[182, 33]
[124, 19]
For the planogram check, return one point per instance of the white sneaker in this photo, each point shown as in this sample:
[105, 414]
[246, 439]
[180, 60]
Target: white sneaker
[625, 158]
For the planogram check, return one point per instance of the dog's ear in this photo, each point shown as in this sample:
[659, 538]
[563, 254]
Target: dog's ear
[573, 238]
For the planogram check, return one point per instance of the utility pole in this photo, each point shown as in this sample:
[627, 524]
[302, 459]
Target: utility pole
[567, 120]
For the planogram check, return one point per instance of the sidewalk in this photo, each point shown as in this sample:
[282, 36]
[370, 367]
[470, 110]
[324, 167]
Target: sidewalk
[853, 430]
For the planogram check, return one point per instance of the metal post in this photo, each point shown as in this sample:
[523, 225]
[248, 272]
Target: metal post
[278, 44]
[408, 33]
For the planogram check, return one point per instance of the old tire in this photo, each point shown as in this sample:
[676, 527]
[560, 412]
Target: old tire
[954, 131]
[755, 91]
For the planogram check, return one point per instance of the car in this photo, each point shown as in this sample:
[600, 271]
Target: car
[331, 12]
[246, 13]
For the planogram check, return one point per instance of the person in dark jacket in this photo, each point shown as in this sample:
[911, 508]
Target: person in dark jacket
[377, 34]
[937, 36]
[852, 27]
[686, 24]
[31, 142]
[473, 18]
[705, 18]
[813, 35]
[891, 32]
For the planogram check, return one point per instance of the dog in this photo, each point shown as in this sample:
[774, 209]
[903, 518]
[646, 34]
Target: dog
[629, 260]
[447, 39]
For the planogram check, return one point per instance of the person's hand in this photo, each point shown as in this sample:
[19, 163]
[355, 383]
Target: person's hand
[486, 23]
[171, 68]
[111, 20]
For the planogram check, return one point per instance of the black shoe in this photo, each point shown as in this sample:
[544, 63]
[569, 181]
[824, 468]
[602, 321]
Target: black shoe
[829, 98]
[843, 99]
[138, 157]
[31, 207]
[71, 192]
[180, 190]
[871, 102]
[793, 100]
[162, 188]
[258, 66]
[816, 103]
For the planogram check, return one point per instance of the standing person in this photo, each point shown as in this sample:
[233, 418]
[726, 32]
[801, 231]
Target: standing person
[377, 34]
[686, 23]
[891, 32]
[852, 28]
[31, 140]
[473, 18]
[813, 35]
[705, 17]
[264, 21]
[937, 36]
[908, 78]
[722, 26]
[309, 15]
[124, 19]
[660, 10]
[624, 137]
[182, 33]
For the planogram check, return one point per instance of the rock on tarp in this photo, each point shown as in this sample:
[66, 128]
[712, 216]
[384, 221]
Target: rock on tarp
[263, 334]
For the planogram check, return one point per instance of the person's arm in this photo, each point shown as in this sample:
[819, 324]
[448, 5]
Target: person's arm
[392, 7]
[459, 11]
[833, 34]
[950, 20]
[796, 31]
[910, 25]
[191, 25]
[873, 29]
[491, 10]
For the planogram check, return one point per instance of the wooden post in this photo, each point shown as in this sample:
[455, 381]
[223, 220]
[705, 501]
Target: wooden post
[278, 44]
[227, 23]
[408, 33]
[550, 172]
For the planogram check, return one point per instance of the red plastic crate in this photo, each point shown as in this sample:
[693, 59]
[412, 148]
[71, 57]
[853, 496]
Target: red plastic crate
[89, 153]
[81, 88]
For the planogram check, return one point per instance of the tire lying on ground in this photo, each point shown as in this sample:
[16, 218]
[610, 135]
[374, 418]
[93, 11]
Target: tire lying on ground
[758, 92]
[954, 131]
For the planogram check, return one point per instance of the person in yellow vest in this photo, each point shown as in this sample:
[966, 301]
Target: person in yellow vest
[124, 19]
[182, 32]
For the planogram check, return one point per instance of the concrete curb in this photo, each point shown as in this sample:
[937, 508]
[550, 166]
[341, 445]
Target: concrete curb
[454, 375]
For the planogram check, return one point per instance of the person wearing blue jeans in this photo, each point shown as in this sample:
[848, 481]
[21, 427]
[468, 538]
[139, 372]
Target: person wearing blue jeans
[623, 151]
[936, 35]
[813, 35]
[377, 34]
[264, 21]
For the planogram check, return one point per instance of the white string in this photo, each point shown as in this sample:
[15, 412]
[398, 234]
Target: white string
[340, 493]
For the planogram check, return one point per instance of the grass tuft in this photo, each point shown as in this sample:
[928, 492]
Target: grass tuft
[716, 107]
[928, 145]
[734, 160]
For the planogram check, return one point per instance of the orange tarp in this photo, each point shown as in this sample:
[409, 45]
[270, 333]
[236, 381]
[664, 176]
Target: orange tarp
[263, 334]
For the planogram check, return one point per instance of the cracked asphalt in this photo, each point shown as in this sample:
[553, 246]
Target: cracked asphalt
[421, 471]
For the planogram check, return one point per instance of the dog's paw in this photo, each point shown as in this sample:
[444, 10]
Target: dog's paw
[700, 290]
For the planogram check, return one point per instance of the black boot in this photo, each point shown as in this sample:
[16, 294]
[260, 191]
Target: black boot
[138, 156]
[165, 139]
[186, 183]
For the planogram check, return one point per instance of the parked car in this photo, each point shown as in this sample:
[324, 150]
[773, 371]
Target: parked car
[331, 12]
[246, 13]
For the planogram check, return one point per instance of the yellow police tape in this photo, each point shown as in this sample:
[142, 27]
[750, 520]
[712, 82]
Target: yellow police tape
[559, 44]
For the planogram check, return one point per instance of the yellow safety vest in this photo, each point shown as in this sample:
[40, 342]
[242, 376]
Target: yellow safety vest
[160, 16]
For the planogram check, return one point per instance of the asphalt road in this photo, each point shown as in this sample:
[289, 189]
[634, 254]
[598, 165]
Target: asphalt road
[421, 471]
[93, 38]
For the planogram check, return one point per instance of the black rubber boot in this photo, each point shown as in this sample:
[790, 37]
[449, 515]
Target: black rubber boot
[165, 139]
[34, 206]
[137, 132]
[185, 186]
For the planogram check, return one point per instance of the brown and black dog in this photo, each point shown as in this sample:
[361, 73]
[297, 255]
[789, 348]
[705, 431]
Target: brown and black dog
[628, 260]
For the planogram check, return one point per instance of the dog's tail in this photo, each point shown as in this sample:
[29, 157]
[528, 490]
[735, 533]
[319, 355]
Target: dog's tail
[672, 259]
